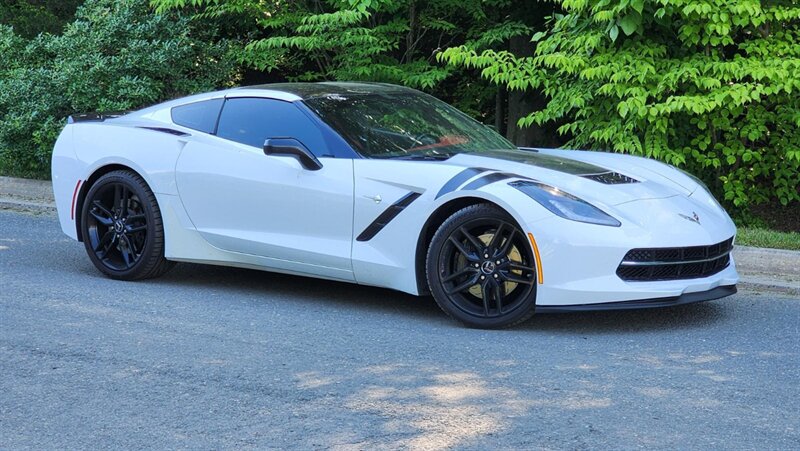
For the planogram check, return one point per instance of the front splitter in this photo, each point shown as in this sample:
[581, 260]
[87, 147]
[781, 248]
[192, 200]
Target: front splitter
[687, 298]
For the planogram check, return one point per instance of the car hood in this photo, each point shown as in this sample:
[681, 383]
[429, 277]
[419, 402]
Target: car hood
[610, 179]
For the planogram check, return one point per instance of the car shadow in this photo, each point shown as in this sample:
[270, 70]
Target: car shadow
[346, 295]
[689, 316]
[299, 289]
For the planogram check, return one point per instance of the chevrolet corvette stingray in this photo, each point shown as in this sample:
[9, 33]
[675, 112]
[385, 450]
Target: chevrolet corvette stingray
[382, 185]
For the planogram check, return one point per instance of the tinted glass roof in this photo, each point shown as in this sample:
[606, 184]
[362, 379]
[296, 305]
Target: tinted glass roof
[324, 89]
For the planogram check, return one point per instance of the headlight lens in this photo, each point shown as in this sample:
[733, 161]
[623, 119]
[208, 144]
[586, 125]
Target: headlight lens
[564, 204]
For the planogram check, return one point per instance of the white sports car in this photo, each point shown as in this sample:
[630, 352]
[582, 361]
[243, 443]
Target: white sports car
[382, 185]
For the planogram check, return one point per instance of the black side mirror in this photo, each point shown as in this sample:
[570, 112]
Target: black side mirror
[292, 148]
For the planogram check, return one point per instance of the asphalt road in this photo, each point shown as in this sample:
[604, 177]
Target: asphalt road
[211, 357]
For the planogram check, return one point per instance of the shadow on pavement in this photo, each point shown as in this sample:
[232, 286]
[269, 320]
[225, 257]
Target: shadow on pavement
[302, 289]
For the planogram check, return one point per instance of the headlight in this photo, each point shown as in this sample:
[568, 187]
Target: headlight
[564, 204]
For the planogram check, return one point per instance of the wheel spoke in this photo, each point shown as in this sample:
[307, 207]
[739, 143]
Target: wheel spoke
[470, 256]
[106, 221]
[102, 250]
[462, 272]
[516, 278]
[507, 245]
[125, 201]
[497, 289]
[476, 243]
[109, 236]
[135, 229]
[117, 198]
[136, 217]
[497, 237]
[463, 286]
[103, 209]
[125, 250]
[487, 294]
[520, 267]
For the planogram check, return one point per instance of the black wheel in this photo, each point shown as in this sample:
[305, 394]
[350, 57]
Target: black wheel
[481, 270]
[122, 228]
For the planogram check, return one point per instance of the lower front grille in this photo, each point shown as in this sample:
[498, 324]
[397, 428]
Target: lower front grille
[673, 263]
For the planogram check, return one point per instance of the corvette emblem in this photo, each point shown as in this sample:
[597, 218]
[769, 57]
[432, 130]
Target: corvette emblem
[693, 217]
[487, 267]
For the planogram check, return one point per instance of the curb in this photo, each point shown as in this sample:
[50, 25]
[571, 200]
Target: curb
[32, 196]
[763, 269]
[11, 203]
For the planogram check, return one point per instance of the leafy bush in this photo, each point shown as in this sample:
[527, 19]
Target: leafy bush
[708, 85]
[29, 18]
[116, 55]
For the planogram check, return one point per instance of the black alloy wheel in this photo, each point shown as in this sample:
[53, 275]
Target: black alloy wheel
[122, 227]
[481, 269]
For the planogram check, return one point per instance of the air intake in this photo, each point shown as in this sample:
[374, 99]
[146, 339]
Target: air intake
[674, 263]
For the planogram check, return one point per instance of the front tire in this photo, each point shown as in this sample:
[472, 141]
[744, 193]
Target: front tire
[481, 270]
[122, 228]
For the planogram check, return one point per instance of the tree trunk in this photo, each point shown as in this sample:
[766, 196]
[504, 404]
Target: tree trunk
[500, 110]
[520, 104]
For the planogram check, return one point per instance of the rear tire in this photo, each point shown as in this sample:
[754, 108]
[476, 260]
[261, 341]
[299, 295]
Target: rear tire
[480, 268]
[122, 228]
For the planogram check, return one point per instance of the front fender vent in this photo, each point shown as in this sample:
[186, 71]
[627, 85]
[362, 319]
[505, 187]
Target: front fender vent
[675, 263]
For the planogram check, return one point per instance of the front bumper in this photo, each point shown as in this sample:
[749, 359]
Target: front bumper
[687, 298]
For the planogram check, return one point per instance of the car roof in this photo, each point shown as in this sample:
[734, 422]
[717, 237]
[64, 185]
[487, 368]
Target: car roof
[305, 91]
[289, 92]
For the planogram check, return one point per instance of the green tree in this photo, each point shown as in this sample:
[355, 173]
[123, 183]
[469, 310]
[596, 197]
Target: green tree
[709, 85]
[116, 55]
[377, 40]
[394, 41]
[31, 17]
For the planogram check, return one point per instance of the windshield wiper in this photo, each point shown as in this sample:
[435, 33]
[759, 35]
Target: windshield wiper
[422, 157]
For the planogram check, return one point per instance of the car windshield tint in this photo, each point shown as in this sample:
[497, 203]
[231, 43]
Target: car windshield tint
[404, 125]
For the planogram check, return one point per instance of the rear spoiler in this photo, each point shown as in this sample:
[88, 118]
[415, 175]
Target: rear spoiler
[94, 117]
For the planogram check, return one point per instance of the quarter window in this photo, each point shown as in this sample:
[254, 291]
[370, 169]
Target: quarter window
[252, 121]
[200, 116]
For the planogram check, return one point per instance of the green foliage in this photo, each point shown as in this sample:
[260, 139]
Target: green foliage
[710, 85]
[371, 40]
[116, 55]
[31, 17]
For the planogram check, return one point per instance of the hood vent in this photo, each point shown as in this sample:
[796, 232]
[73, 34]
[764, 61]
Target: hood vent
[610, 178]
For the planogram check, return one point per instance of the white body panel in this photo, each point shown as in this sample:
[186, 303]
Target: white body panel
[227, 203]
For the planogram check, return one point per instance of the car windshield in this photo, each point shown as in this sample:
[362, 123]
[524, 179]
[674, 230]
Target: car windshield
[404, 125]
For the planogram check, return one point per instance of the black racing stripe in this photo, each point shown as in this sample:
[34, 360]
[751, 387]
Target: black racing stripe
[490, 178]
[384, 218]
[458, 179]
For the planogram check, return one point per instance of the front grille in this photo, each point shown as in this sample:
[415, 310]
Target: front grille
[673, 263]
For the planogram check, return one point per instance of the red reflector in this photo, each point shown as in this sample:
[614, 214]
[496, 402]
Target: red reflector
[74, 198]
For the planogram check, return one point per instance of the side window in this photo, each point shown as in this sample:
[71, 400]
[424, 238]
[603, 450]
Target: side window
[251, 121]
[201, 116]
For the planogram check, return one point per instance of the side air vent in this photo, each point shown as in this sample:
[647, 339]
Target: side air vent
[166, 130]
[610, 178]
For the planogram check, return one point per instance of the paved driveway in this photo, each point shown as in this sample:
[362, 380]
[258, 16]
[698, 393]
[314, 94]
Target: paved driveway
[211, 357]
